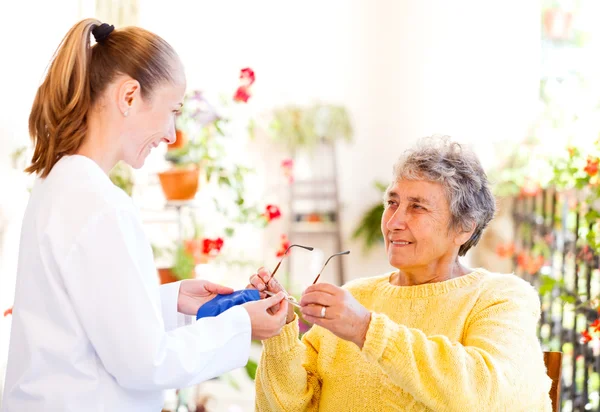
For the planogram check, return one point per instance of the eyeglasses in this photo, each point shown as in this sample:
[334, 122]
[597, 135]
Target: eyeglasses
[290, 298]
[285, 253]
[347, 252]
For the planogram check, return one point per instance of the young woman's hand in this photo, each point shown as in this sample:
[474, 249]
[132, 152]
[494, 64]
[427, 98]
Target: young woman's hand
[194, 293]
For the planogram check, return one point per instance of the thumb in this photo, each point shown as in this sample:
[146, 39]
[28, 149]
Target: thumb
[215, 288]
[283, 309]
[273, 300]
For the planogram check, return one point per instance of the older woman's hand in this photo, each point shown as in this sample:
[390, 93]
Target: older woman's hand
[262, 281]
[337, 310]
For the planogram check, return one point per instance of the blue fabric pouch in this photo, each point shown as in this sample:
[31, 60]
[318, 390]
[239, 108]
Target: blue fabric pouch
[221, 303]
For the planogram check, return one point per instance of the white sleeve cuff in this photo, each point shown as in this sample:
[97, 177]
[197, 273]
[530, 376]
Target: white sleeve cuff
[169, 293]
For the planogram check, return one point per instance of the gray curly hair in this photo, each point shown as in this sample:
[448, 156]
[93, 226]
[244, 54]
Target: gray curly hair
[439, 159]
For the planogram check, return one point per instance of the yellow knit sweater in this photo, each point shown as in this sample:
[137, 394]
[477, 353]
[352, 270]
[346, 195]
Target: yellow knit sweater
[466, 344]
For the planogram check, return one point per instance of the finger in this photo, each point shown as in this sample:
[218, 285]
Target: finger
[257, 282]
[275, 286]
[218, 289]
[318, 298]
[264, 274]
[314, 311]
[282, 310]
[273, 300]
[323, 287]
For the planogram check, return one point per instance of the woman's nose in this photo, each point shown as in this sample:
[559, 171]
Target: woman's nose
[397, 221]
[171, 137]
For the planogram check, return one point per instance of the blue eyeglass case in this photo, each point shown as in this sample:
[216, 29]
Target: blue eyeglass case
[221, 303]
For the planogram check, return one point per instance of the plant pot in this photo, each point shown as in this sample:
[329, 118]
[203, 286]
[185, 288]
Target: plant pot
[557, 23]
[180, 183]
[180, 141]
[166, 276]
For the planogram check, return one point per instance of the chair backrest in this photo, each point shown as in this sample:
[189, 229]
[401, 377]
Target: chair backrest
[553, 361]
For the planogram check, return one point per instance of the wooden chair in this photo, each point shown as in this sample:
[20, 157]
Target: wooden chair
[553, 361]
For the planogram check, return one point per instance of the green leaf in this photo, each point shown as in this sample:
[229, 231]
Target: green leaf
[251, 368]
[369, 227]
[568, 298]
[547, 284]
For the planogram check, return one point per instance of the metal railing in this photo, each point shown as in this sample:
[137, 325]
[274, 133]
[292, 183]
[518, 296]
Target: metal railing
[551, 251]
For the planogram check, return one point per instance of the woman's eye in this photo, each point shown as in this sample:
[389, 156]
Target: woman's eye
[390, 203]
[418, 207]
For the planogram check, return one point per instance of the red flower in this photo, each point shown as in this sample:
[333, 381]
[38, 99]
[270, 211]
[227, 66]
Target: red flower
[287, 165]
[592, 166]
[247, 76]
[596, 325]
[272, 212]
[242, 94]
[530, 188]
[202, 249]
[586, 337]
[8, 312]
[210, 245]
[505, 250]
[285, 244]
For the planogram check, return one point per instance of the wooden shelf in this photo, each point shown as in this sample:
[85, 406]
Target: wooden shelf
[314, 227]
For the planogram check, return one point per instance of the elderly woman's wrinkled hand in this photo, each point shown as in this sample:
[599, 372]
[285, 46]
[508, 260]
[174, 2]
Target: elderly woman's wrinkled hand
[262, 281]
[337, 310]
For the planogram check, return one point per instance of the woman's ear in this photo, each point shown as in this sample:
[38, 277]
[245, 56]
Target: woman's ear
[129, 91]
[462, 236]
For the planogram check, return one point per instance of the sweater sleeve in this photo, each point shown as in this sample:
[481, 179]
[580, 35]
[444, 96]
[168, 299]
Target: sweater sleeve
[499, 365]
[287, 377]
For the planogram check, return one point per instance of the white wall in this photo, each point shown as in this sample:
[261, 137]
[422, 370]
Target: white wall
[404, 68]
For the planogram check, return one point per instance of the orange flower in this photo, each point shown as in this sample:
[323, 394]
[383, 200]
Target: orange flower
[591, 167]
[530, 264]
[530, 188]
[505, 250]
[571, 150]
[586, 337]
[596, 325]
[8, 312]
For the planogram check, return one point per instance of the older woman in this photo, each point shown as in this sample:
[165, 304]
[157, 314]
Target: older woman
[432, 335]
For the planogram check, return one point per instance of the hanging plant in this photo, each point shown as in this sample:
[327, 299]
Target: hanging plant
[304, 127]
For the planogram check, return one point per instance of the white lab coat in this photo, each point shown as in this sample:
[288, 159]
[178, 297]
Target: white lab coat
[92, 330]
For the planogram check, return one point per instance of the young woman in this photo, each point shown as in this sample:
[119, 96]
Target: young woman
[91, 327]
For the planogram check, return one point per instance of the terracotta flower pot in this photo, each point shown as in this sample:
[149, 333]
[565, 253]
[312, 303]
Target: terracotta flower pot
[180, 141]
[166, 276]
[557, 23]
[180, 184]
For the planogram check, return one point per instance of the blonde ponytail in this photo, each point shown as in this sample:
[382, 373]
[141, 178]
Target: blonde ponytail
[57, 123]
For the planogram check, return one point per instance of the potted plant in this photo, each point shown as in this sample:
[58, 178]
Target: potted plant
[306, 126]
[185, 155]
[198, 153]
[186, 256]
[369, 226]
